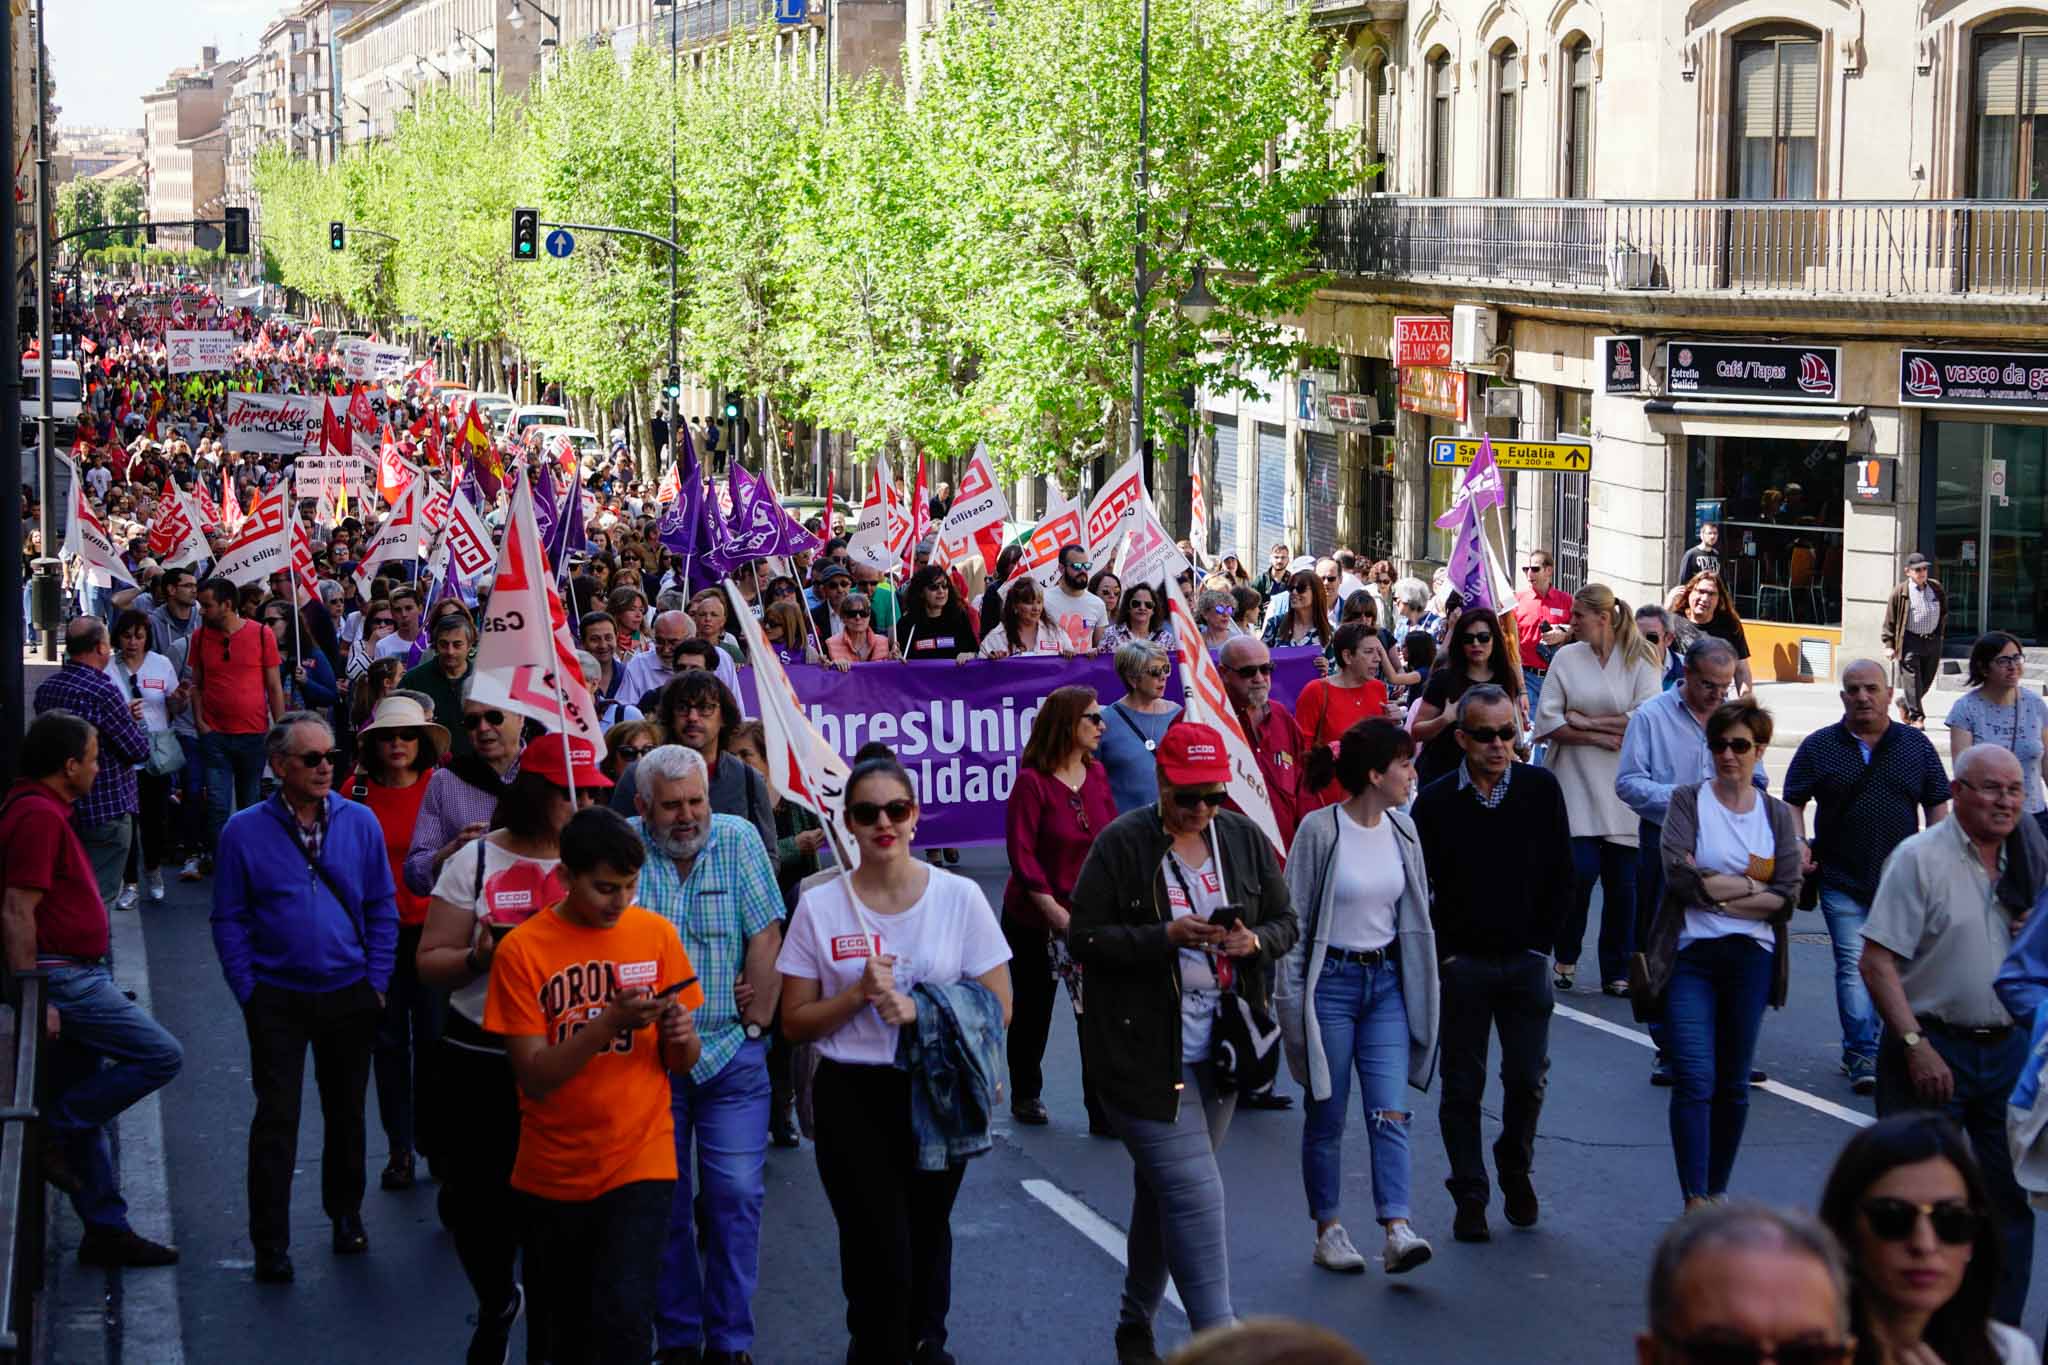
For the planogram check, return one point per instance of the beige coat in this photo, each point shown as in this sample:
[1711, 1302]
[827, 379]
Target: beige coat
[1578, 682]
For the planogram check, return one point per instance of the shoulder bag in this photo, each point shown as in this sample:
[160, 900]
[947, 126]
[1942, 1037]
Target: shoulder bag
[1245, 1044]
[166, 754]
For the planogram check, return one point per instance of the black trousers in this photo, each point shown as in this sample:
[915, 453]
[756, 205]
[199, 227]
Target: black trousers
[479, 1096]
[1919, 659]
[1479, 995]
[601, 1260]
[895, 1221]
[340, 1027]
[1035, 994]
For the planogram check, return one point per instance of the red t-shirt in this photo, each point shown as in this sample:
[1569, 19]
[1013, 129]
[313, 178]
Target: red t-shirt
[1324, 712]
[41, 852]
[397, 810]
[1532, 616]
[228, 670]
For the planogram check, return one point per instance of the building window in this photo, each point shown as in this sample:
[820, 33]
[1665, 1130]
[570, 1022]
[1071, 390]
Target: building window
[1439, 95]
[2010, 107]
[1379, 130]
[1507, 122]
[1776, 129]
[1578, 120]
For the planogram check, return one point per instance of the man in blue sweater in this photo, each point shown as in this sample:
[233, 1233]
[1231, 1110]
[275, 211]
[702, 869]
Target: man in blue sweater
[305, 919]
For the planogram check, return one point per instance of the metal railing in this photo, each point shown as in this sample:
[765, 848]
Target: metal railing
[21, 1179]
[701, 21]
[1821, 249]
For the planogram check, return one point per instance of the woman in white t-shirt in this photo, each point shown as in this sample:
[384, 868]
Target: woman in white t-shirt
[1357, 994]
[1718, 951]
[855, 949]
[149, 682]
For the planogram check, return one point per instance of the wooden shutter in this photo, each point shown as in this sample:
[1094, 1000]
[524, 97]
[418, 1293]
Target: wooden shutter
[1756, 104]
[1998, 77]
[1799, 64]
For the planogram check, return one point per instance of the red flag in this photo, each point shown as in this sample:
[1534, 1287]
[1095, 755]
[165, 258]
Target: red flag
[830, 474]
[208, 508]
[920, 514]
[671, 488]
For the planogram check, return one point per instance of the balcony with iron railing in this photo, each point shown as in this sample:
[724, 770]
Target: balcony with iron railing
[1976, 252]
[699, 22]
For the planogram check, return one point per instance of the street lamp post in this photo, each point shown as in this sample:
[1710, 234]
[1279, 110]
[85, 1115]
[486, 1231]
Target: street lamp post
[672, 384]
[514, 17]
[490, 55]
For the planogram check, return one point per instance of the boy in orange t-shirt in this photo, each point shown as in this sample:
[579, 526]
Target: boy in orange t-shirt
[573, 991]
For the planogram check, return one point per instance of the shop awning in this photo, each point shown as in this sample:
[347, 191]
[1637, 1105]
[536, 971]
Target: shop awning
[1694, 418]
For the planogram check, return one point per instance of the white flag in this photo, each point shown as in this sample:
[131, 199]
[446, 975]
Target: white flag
[402, 536]
[468, 538]
[1147, 554]
[263, 545]
[526, 661]
[976, 517]
[86, 540]
[1198, 516]
[882, 528]
[801, 765]
[1114, 507]
[1208, 704]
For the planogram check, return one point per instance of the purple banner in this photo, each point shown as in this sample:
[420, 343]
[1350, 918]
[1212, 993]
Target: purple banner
[958, 728]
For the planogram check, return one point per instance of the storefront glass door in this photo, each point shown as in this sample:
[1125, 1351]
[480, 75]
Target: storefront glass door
[1990, 527]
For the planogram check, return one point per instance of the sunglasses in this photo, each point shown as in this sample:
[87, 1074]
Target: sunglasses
[383, 621]
[1250, 671]
[1139, 604]
[1161, 673]
[391, 736]
[1506, 734]
[869, 812]
[1477, 637]
[1095, 716]
[855, 615]
[491, 718]
[629, 752]
[1738, 745]
[1893, 1220]
[327, 757]
[1737, 1351]
[1079, 566]
[1534, 568]
[1329, 578]
[1654, 637]
[1189, 800]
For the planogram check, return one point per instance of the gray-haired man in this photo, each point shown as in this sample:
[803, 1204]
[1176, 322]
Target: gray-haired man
[1740, 1281]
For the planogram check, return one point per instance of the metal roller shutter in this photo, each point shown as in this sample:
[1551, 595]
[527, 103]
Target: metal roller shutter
[1223, 487]
[1324, 493]
[1272, 489]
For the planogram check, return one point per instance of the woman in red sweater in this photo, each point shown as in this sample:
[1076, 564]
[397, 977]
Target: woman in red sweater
[399, 749]
[1327, 707]
[1061, 802]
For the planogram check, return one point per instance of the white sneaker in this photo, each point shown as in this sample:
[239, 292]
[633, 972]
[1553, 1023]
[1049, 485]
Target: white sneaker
[1335, 1252]
[190, 871]
[156, 883]
[129, 897]
[1405, 1249]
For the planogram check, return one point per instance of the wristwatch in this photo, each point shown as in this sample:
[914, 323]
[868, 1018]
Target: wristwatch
[1912, 1039]
[755, 1031]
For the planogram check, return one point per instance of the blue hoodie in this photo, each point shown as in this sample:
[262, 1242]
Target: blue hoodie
[276, 923]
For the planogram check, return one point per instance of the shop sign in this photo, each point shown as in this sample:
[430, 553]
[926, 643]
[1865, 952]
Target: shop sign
[1351, 411]
[1569, 457]
[1871, 481]
[1422, 341]
[1621, 364]
[1741, 369]
[1433, 392]
[2008, 381]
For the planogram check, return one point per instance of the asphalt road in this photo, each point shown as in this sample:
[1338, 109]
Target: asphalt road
[1028, 1278]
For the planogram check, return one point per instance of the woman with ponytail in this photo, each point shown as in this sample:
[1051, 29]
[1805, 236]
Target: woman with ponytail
[1606, 671]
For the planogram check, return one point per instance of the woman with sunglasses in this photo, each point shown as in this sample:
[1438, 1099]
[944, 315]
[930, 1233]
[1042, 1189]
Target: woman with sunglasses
[1908, 1202]
[1479, 652]
[511, 874]
[628, 742]
[308, 680]
[1140, 615]
[1024, 629]
[1718, 949]
[1174, 900]
[1136, 722]
[401, 747]
[1061, 800]
[1216, 612]
[379, 620]
[857, 641]
[783, 626]
[1107, 586]
[934, 624]
[1700, 606]
[461, 797]
[1997, 710]
[858, 946]
[1306, 621]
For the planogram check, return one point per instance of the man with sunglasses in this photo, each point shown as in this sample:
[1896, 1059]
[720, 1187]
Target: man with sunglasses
[1741, 1284]
[1247, 667]
[1950, 902]
[1079, 614]
[305, 919]
[1497, 843]
[1872, 783]
[1543, 614]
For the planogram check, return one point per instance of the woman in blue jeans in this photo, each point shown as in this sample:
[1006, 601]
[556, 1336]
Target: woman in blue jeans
[1358, 992]
[1718, 948]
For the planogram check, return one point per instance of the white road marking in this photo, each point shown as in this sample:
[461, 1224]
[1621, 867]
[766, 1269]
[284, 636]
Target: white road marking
[1091, 1225]
[151, 1325]
[1778, 1088]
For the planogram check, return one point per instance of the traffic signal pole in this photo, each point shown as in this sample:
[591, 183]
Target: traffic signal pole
[48, 568]
[13, 676]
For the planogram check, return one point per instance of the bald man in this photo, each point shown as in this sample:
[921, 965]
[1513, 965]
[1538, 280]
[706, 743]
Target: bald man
[1874, 782]
[1948, 906]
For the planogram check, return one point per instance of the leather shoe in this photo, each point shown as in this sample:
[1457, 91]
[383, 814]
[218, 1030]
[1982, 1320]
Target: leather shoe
[1469, 1225]
[1032, 1112]
[398, 1172]
[274, 1267]
[1518, 1198]
[1267, 1099]
[123, 1247]
[350, 1237]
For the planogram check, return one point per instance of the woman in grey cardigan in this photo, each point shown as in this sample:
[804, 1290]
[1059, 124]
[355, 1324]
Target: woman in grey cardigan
[1718, 950]
[1358, 991]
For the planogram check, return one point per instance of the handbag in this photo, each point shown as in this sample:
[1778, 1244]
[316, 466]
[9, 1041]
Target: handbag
[166, 754]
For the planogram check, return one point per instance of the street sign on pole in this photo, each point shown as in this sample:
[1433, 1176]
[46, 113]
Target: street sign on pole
[560, 243]
[792, 11]
[1566, 457]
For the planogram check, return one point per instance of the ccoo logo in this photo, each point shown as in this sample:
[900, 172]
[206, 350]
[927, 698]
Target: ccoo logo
[1922, 379]
[1815, 375]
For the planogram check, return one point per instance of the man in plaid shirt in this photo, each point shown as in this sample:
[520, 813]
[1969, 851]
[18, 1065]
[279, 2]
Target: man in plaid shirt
[105, 816]
[709, 876]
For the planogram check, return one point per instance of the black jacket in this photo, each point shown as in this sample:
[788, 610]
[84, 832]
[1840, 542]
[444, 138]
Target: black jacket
[1130, 1029]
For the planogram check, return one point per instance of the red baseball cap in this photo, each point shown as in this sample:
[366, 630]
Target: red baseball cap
[1192, 755]
[550, 756]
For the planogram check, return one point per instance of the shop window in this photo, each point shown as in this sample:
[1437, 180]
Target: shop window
[2009, 114]
[1776, 124]
[1507, 122]
[1578, 121]
[1779, 503]
[1438, 95]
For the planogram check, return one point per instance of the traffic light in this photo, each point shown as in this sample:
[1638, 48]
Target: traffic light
[237, 232]
[674, 387]
[337, 236]
[735, 404]
[526, 234]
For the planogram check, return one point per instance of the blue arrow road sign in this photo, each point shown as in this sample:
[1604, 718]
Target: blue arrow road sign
[560, 243]
[791, 11]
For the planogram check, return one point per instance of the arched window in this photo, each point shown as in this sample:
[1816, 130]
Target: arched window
[2009, 111]
[1507, 121]
[1439, 97]
[1578, 119]
[1775, 132]
[1379, 122]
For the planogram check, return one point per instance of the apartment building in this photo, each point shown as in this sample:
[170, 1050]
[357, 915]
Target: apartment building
[185, 143]
[268, 104]
[1780, 264]
[844, 39]
[394, 48]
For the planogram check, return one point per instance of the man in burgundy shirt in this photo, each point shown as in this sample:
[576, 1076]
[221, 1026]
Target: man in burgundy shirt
[107, 1054]
[1542, 620]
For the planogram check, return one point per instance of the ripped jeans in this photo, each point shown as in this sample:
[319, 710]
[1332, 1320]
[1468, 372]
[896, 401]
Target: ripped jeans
[1364, 1024]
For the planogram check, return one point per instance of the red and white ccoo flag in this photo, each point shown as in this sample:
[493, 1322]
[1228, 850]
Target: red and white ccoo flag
[1208, 704]
[263, 546]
